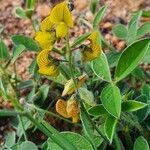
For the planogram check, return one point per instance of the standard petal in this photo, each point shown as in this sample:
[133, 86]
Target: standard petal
[61, 13]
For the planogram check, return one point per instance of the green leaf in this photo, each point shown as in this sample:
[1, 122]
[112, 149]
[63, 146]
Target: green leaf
[100, 14]
[112, 58]
[109, 127]
[138, 73]
[146, 90]
[25, 84]
[141, 144]
[101, 68]
[87, 96]
[80, 39]
[17, 51]
[44, 89]
[111, 100]
[20, 13]
[26, 123]
[120, 31]
[33, 69]
[87, 127]
[133, 27]
[27, 145]
[59, 79]
[61, 140]
[79, 141]
[29, 43]
[131, 57]
[4, 52]
[144, 29]
[97, 110]
[10, 139]
[131, 105]
[142, 113]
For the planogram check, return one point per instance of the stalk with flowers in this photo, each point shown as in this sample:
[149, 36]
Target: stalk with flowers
[91, 99]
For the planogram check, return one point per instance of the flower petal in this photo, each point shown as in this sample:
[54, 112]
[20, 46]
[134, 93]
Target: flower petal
[46, 66]
[61, 30]
[94, 51]
[45, 39]
[46, 24]
[73, 109]
[61, 108]
[69, 87]
[61, 13]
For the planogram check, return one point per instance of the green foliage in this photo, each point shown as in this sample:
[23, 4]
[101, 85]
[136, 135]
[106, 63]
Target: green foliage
[132, 105]
[4, 53]
[27, 42]
[97, 110]
[120, 31]
[17, 51]
[28, 145]
[111, 100]
[101, 68]
[141, 143]
[98, 17]
[131, 57]
[109, 127]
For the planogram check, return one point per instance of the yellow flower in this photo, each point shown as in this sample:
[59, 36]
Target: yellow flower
[45, 39]
[61, 16]
[94, 50]
[46, 65]
[46, 25]
[69, 87]
[68, 109]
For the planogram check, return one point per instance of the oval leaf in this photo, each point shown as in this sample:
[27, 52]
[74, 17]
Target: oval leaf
[29, 43]
[130, 58]
[97, 110]
[120, 31]
[141, 144]
[101, 68]
[132, 105]
[27, 145]
[111, 100]
[109, 127]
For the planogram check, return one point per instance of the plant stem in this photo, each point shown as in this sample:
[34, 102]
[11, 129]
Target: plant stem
[79, 98]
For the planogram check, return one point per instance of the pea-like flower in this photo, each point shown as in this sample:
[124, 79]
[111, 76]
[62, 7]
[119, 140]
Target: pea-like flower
[46, 64]
[62, 18]
[68, 109]
[93, 50]
[69, 87]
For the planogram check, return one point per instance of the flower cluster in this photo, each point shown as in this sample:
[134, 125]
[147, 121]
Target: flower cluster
[70, 108]
[52, 28]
